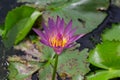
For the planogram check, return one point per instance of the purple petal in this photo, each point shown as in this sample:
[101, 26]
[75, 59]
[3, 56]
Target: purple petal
[70, 45]
[68, 27]
[58, 50]
[44, 42]
[74, 38]
[61, 26]
[58, 22]
[70, 33]
[51, 23]
[52, 26]
[45, 27]
[40, 33]
[47, 31]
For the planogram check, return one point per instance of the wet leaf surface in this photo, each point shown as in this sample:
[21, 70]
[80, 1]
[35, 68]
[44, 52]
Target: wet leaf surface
[20, 24]
[104, 75]
[105, 56]
[20, 71]
[75, 65]
[112, 34]
[75, 9]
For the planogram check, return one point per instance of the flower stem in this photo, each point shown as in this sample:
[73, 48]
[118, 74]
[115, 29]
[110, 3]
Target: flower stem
[55, 67]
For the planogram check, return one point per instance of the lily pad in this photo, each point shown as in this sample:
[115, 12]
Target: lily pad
[73, 63]
[83, 13]
[19, 71]
[104, 75]
[106, 55]
[45, 73]
[112, 34]
[16, 29]
[47, 54]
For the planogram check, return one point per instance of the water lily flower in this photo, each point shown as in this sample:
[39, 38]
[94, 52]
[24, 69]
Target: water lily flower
[58, 35]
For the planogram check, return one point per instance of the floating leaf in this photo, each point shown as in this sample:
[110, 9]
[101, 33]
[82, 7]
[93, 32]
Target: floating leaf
[104, 75]
[47, 54]
[73, 63]
[18, 23]
[106, 55]
[112, 34]
[83, 13]
[116, 2]
[45, 73]
[19, 71]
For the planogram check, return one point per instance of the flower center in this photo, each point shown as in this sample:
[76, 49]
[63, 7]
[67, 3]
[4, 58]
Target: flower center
[58, 41]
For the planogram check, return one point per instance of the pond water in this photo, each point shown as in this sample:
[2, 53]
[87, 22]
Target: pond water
[5, 6]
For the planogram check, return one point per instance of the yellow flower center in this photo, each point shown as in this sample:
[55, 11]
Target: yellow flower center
[58, 41]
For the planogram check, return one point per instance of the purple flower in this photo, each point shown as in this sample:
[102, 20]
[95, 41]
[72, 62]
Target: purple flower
[58, 35]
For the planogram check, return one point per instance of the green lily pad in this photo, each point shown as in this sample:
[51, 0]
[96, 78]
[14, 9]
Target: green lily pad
[106, 55]
[73, 63]
[84, 10]
[20, 71]
[104, 75]
[112, 34]
[70, 62]
[47, 54]
[45, 73]
[18, 23]
[116, 2]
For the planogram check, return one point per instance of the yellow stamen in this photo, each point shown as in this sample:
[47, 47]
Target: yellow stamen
[58, 42]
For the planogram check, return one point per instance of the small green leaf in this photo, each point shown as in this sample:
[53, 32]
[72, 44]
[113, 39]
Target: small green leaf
[18, 23]
[73, 63]
[19, 71]
[106, 55]
[104, 75]
[112, 34]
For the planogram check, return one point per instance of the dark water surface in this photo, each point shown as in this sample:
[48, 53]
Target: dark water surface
[5, 6]
[3, 62]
